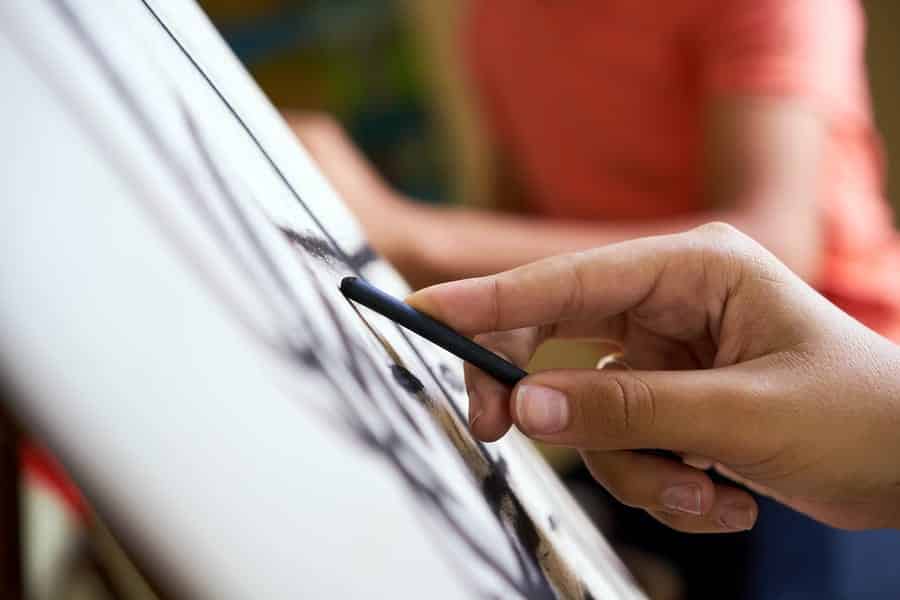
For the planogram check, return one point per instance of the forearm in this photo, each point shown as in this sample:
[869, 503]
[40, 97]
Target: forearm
[453, 243]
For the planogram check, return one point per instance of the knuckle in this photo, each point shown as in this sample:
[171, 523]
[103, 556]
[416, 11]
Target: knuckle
[632, 406]
[718, 230]
[723, 251]
[719, 241]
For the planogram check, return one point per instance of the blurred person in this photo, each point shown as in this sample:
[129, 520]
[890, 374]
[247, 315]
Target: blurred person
[618, 119]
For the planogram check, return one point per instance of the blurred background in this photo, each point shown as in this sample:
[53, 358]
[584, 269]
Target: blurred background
[392, 74]
[361, 61]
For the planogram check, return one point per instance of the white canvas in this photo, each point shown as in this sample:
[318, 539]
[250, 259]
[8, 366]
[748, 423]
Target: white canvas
[172, 328]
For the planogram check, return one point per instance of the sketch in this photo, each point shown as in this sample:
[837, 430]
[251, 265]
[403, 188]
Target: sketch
[495, 513]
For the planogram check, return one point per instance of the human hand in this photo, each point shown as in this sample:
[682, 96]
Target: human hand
[737, 364]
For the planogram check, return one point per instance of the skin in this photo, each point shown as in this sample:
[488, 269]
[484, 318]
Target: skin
[761, 170]
[737, 364]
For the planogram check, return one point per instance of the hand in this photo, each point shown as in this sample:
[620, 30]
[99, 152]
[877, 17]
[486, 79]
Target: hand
[737, 364]
[385, 217]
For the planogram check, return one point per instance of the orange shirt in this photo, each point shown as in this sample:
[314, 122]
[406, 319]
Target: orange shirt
[600, 105]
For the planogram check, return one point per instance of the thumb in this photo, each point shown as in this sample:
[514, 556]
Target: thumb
[716, 413]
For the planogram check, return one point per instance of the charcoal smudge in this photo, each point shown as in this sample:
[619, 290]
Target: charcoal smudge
[551, 520]
[325, 251]
[407, 380]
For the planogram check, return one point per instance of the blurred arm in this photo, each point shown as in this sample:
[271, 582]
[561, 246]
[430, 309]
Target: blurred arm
[762, 171]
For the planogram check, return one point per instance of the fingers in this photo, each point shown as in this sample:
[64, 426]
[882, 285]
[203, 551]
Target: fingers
[651, 482]
[680, 496]
[597, 283]
[489, 415]
[727, 516]
[717, 413]
[732, 510]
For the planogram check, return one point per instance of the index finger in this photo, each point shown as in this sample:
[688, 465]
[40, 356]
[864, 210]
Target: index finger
[595, 283]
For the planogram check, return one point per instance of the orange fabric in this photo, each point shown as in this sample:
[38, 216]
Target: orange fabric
[599, 103]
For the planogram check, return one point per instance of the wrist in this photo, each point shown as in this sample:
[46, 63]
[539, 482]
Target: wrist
[885, 448]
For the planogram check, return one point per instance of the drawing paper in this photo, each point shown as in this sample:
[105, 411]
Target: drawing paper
[172, 328]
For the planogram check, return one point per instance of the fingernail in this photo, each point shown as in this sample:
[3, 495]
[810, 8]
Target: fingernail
[737, 518]
[683, 498]
[541, 410]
